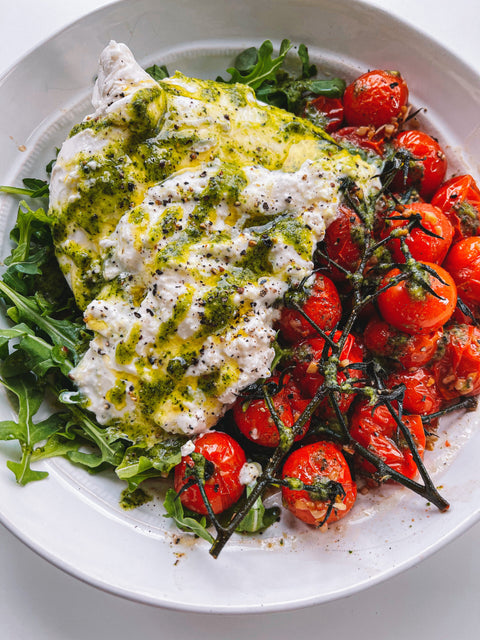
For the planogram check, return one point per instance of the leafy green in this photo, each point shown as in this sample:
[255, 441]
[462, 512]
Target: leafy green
[34, 188]
[258, 518]
[276, 86]
[158, 73]
[174, 509]
[139, 463]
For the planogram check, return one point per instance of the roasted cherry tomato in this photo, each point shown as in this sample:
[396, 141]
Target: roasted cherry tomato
[421, 245]
[326, 113]
[343, 242]
[412, 308]
[458, 372]
[416, 350]
[459, 199]
[463, 264]
[376, 98]
[255, 421]
[427, 166]
[362, 137]
[421, 392]
[322, 305]
[377, 430]
[225, 458]
[309, 378]
[322, 464]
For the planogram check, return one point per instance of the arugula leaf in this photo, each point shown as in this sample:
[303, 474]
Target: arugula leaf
[34, 188]
[174, 509]
[264, 68]
[258, 518]
[276, 86]
[139, 463]
[29, 394]
[158, 73]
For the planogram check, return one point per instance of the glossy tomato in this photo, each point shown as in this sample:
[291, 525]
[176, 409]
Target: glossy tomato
[326, 113]
[309, 376]
[361, 137]
[322, 305]
[343, 242]
[463, 264]
[421, 245]
[459, 199]
[223, 488]
[376, 98]
[458, 372]
[322, 464]
[254, 420]
[427, 166]
[377, 430]
[421, 392]
[416, 350]
[412, 308]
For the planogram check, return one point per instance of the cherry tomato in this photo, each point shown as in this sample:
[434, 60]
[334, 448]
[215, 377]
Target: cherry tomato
[463, 264]
[322, 306]
[222, 485]
[428, 163]
[362, 137]
[343, 242]
[378, 431]
[422, 246]
[376, 98]
[458, 372]
[255, 421]
[421, 392]
[416, 350]
[319, 462]
[326, 113]
[412, 308]
[459, 199]
[309, 378]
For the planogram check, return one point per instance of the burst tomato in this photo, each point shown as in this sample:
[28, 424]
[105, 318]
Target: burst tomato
[421, 392]
[458, 372]
[362, 137]
[416, 350]
[326, 113]
[225, 458]
[427, 166]
[412, 308]
[459, 199]
[254, 420]
[421, 245]
[343, 242]
[324, 464]
[376, 98]
[309, 376]
[378, 431]
[463, 264]
[322, 306]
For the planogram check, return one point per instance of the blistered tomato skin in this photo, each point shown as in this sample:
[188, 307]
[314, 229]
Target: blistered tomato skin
[322, 305]
[463, 264]
[422, 246]
[421, 392]
[459, 199]
[428, 163]
[417, 350]
[377, 430]
[413, 309]
[356, 137]
[457, 373]
[326, 113]
[343, 243]
[375, 98]
[223, 487]
[320, 461]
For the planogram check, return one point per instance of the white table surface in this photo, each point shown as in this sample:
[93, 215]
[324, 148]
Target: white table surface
[435, 600]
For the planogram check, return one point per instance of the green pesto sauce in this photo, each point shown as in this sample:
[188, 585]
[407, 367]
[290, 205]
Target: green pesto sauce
[134, 499]
[125, 350]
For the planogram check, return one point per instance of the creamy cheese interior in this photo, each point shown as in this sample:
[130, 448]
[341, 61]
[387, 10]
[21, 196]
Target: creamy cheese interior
[182, 212]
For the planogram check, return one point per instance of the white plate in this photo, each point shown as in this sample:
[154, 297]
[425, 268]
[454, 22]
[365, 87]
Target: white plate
[73, 519]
